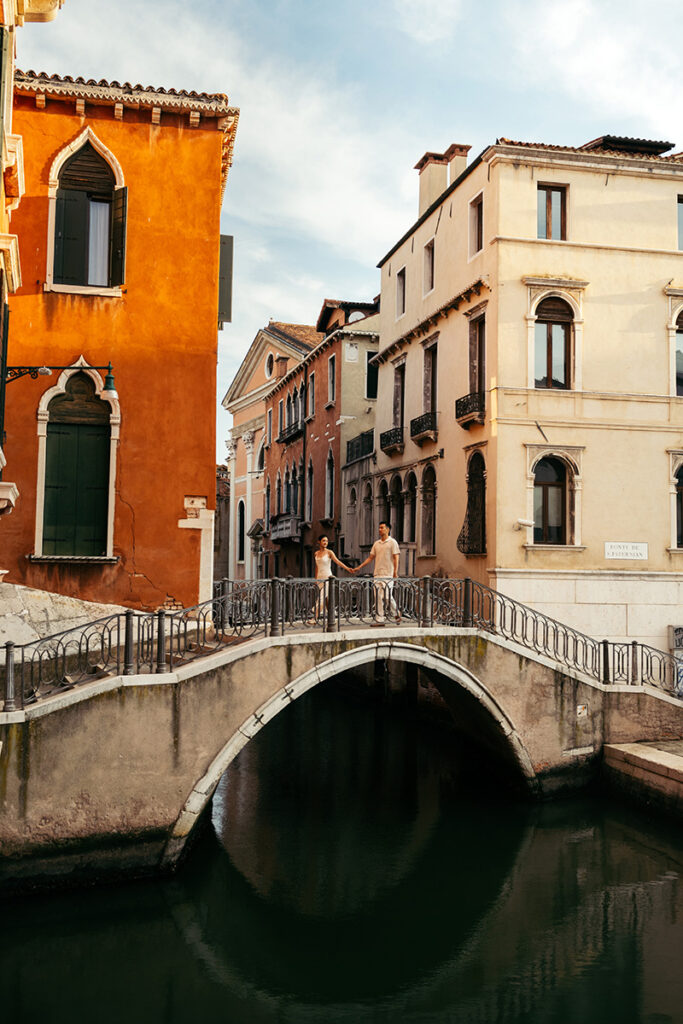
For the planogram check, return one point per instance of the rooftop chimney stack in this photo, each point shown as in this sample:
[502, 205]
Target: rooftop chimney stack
[433, 169]
[280, 366]
[457, 160]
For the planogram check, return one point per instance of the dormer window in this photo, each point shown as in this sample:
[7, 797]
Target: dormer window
[90, 223]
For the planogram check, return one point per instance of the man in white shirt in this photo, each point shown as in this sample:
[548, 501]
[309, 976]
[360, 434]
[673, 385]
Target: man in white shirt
[384, 553]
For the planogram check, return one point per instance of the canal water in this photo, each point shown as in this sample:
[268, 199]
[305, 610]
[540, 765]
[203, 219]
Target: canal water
[363, 867]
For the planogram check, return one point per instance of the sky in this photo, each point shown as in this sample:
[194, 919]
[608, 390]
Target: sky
[338, 101]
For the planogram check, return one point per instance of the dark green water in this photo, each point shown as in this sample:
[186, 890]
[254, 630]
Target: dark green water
[357, 872]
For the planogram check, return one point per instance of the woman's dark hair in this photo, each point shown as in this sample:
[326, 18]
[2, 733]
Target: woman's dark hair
[321, 537]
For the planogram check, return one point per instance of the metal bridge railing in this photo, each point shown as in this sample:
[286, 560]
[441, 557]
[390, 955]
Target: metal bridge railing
[155, 642]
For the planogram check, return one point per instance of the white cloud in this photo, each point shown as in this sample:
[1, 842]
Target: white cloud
[621, 60]
[428, 21]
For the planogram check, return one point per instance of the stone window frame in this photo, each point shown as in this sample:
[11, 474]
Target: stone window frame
[80, 366]
[571, 291]
[675, 304]
[65, 154]
[572, 457]
[676, 464]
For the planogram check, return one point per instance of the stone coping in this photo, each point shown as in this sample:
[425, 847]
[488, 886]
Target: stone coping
[660, 757]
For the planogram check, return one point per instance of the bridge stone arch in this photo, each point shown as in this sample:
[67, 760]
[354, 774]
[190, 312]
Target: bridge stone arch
[440, 670]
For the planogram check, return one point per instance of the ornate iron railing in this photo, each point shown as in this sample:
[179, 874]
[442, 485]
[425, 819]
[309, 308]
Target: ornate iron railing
[360, 446]
[423, 425]
[391, 439]
[141, 642]
[471, 405]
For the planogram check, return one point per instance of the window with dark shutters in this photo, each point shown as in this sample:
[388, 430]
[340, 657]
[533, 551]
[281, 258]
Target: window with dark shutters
[77, 472]
[90, 223]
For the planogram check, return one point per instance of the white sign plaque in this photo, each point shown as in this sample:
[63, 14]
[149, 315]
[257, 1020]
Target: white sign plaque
[626, 549]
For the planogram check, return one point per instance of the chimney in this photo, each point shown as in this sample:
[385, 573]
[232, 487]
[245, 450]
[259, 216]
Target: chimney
[280, 366]
[457, 160]
[433, 168]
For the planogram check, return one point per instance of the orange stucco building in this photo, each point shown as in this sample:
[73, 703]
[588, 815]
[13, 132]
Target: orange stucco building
[119, 230]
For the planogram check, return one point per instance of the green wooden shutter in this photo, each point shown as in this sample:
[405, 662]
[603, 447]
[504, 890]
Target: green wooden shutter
[119, 211]
[61, 470]
[71, 237]
[76, 489]
[225, 281]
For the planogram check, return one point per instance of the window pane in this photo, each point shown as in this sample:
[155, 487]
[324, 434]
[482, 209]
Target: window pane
[680, 222]
[98, 244]
[554, 532]
[542, 226]
[558, 356]
[538, 514]
[556, 206]
[541, 356]
[679, 362]
[679, 518]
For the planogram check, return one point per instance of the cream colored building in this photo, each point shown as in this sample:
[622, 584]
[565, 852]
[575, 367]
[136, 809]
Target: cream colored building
[530, 405]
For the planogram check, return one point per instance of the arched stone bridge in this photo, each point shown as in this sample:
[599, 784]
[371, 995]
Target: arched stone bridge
[114, 775]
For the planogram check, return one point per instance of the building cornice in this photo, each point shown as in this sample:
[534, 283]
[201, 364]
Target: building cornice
[615, 163]
[212, 108]
[430, 322]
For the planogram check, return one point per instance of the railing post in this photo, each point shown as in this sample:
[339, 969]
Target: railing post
[161, 641]
[11, 703]
[634, 661]
[128, 662]
[225, 597]
[426, 586]
[331, 625]
[605, 661]
[275, 624]
[467, 603]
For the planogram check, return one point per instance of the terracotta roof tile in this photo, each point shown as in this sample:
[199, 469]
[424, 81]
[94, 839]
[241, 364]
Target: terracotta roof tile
[67, 83]
[596, 147]
[304, 335]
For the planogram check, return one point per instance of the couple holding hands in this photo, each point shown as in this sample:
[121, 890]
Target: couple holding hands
[384, 553]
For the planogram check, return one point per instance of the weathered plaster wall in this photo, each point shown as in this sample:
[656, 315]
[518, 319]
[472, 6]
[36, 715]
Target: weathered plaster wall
[160, 336]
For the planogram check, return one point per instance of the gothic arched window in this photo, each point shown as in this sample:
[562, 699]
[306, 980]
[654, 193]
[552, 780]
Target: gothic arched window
[77, 471]
[90, 223]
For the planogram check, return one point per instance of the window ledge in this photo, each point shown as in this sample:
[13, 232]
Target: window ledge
[675, 551]
[84, 289]
[76, 559]
[555, 547]
[330, 405]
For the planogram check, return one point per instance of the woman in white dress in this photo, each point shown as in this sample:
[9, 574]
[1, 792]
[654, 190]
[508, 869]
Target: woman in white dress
[324, 557]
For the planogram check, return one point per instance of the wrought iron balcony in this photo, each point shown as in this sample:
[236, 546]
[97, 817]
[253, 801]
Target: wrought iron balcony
[471, 409]
[423, 428]
[360, 446]
[291, 432]
[391, 440]
[285, 527]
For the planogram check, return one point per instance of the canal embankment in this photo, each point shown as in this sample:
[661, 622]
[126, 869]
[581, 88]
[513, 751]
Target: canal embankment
[650, 773]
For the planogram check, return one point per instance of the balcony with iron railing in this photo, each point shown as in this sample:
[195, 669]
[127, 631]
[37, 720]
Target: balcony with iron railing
[423, 428]
[291, 432]
[360, 446]
[471, 409]
[391, 441]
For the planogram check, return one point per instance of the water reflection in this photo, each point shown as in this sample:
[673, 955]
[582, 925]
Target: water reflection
[357, 873]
